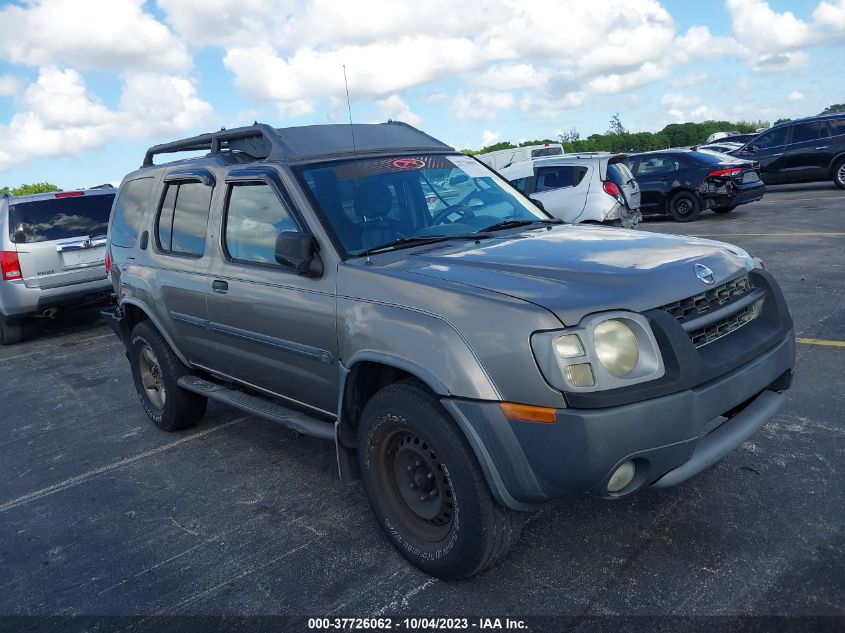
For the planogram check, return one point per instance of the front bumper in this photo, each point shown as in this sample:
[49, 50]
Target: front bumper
[529, 464]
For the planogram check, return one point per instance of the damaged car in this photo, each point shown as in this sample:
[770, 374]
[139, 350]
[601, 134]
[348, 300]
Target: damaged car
[682, 183]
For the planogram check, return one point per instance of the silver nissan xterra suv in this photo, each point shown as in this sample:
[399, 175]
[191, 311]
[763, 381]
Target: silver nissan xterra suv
[471, 362]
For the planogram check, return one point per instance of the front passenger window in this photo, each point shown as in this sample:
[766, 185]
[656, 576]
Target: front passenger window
[254, 218]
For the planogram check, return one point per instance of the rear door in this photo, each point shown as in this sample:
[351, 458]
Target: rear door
[61, 240]
[563, 189]
[656, 176]
[809, 153]
[180, 261]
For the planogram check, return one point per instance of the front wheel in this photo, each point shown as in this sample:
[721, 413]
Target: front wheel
[155, 371]
[426, 488]
[839, 174]
[684, 207]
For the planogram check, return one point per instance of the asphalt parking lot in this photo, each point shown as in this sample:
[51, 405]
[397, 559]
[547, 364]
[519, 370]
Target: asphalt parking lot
[103, 514]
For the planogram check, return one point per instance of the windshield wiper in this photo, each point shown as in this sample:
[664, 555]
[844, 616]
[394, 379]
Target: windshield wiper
[422, 239]
[510, 224]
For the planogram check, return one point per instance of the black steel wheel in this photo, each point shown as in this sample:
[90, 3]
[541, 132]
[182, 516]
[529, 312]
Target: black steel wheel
[684, 207]
[426, 488]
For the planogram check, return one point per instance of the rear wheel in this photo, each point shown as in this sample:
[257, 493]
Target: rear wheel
[684, 207]
[724, 210]
[11, 332]
[839, 174]
[426, 488]
[155, 371]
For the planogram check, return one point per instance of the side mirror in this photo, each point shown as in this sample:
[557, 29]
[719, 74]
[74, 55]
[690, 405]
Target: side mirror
[299, 251]
[538, 204]
[752, 149]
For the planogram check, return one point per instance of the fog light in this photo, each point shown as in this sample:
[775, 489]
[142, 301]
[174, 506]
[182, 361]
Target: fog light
[622, 476]
[580, 375]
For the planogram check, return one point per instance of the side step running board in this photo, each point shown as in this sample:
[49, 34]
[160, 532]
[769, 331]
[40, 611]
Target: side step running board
[262, 407]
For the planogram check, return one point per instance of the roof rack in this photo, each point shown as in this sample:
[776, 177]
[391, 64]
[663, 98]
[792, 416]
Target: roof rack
[258, 140]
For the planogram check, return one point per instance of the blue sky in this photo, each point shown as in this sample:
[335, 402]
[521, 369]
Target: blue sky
[86, 85]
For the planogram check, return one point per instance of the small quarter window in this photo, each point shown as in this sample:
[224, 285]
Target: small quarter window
[183, 218]
[129, 210]
[254, 218]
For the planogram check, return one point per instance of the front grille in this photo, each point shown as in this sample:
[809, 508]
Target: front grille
[686, 311]
[717, 330]
[697, 305]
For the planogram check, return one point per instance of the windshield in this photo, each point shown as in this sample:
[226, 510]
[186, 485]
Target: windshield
[368, 203]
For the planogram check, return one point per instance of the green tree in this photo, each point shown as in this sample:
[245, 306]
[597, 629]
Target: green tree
[836, 108]
[496, 147]
[616, 126]
[26, 190]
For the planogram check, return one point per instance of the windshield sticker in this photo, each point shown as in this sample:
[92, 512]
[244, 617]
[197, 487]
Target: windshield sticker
[469, 166]
[408, 163]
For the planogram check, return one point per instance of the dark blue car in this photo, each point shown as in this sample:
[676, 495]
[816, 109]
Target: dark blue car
[683, 182]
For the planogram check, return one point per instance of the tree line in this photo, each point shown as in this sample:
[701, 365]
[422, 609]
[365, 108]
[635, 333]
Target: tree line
[619, 139]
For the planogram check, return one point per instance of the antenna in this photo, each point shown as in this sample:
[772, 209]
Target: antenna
[355, 155]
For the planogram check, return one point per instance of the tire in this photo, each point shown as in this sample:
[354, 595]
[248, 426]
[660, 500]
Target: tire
[153, 363]
[684, 207]
[723, 210]
[839, 174]
[410, 448]
[11, 332]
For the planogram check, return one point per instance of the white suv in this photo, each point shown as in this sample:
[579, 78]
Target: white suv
[593, 187]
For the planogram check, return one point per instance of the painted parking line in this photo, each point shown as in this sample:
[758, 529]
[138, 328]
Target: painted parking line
[790, 234]
[820, 341]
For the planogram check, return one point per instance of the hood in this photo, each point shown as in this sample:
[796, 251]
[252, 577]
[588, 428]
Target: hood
[575, 270]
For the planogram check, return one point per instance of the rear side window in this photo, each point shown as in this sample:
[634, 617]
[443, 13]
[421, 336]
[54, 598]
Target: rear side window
[129, 210]
[254, 218]
[836, 127]
[59, 218]
[546, 151]
[656, 166]
[183, 218]
[559, 176]
[806, 132]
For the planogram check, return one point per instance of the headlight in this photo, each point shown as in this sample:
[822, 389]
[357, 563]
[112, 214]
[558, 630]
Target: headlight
[605, 351]
[616, 346]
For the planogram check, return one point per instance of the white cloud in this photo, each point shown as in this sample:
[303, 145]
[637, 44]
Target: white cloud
[512, 76]
[548, 106]
[435, 96]
[396, 109]
[795, 96]
[480, 104]
[9, 85]
[678, 100]
[117, 34]
[830, 14]
[692, 79]
[488, 137]
[60, 117]
[622, 82]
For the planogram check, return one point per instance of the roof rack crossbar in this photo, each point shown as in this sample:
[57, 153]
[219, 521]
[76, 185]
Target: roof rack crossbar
[259, 141]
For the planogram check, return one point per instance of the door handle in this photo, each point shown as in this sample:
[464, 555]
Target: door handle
[822, 147]
[220, 286]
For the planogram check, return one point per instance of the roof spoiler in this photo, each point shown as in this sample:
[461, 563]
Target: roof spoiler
[258, 141]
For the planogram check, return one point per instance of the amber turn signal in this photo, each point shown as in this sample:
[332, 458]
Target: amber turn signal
[527, 412]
